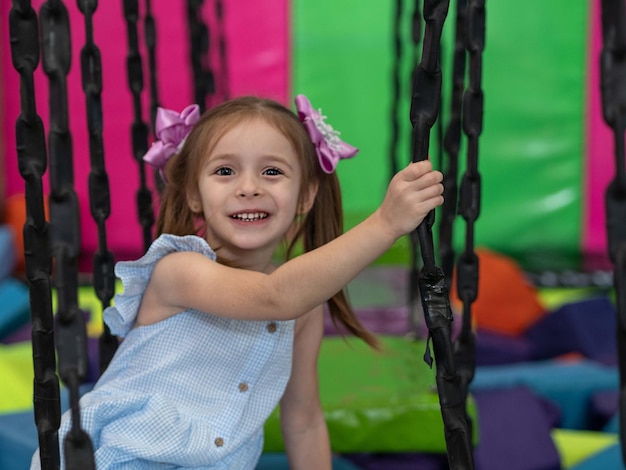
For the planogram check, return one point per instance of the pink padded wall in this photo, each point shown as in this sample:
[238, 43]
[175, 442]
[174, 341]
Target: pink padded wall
[257, 41]
[600, 162]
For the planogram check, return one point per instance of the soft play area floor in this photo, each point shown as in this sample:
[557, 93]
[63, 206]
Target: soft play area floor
[544, 396]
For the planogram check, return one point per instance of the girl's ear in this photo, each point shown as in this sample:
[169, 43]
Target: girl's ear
[309, 198]
[193, 202]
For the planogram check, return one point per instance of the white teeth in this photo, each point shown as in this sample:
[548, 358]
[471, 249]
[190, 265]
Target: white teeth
[250, 216]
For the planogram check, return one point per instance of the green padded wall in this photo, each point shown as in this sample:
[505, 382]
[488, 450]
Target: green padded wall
[531, 149]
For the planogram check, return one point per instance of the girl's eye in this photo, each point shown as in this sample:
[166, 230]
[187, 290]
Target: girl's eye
[224, 171]
[273, 172]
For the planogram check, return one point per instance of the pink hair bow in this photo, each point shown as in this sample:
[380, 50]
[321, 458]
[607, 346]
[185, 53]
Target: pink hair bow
[171, 130]
[330, 148]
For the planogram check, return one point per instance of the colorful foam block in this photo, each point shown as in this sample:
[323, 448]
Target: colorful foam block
[569, 385]
[7, 252]
[586, 327]
[376, 402]
[14, 306]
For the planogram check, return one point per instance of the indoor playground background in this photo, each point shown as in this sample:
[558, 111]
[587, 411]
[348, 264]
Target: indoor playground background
[546, 158]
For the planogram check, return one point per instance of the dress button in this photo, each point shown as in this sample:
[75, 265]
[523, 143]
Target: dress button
[243, 387]
[271, 327]
[219, 442]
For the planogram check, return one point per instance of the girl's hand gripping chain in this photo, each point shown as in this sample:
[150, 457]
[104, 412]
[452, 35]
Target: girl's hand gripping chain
[412, 194]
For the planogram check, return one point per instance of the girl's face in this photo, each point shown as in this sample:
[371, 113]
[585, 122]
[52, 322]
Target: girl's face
[248, 191]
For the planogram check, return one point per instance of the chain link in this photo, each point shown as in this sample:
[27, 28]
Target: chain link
[452, 144]
[64, 227]
[395, 88]
[150, 37]
[223, 88]
[416, 313]
[432, 283]
[613, 87]
[199, 38]
[99, 191]
[469, 203]
[139, 129]
[32, 163]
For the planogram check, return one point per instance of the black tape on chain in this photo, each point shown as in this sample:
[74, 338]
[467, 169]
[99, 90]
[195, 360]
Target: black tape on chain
[432, 283]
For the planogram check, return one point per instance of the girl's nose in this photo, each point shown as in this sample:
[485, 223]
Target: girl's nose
[249, 187]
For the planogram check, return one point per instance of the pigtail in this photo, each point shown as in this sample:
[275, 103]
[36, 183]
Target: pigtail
[323, 223]
[175, 216]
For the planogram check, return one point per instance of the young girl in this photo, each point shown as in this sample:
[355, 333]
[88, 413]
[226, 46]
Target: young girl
[215, 335]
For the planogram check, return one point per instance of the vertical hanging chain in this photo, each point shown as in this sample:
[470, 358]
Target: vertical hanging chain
[224, 88]
[469, 202]
[139, 129]
[99, 191]
[613, 86]
[432, 282]
[395, 89]
[203, 76]
[150, 38]
[65, 228]
[416, 313]
[452, 144]
[32, 163]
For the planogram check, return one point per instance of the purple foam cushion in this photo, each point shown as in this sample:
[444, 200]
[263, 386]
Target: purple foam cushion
[514, 431]
[404, 461]
[496, 349]
[586, 327]
[604, 405]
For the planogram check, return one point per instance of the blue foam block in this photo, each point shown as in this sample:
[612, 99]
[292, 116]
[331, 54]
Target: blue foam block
[608, 459]
[7, 252]
[569, 385]
[278, 461]
[18, 442]
[14, 306]
[18, 435]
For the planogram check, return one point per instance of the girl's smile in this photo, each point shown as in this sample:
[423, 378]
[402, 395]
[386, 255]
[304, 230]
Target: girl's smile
[249, 190]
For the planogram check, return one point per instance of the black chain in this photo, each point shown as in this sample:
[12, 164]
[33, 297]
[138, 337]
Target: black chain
[452, 144]
[469, 202]
[203, 76]
[150, 38]
[64, 228]
[99, 191]
[139, 129]
[224, 88]
[613, 85]
[432, 282]
[32, 163]
[416, 313]
[395, 89]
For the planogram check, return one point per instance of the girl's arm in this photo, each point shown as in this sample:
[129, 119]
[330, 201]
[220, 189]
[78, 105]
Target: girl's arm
[189, 280]
[302, 422]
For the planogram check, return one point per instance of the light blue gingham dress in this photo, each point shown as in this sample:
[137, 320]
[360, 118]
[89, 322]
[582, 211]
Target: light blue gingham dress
[192, 391]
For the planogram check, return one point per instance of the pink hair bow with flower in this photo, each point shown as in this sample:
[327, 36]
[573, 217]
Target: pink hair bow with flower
[330, 148]
[172, 129]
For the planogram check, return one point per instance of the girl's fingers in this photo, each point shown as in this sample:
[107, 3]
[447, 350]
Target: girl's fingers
[416, 170]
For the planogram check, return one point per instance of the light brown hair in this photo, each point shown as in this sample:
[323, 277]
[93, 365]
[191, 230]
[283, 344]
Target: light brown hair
[321, 224]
